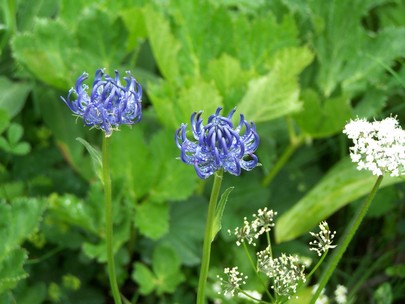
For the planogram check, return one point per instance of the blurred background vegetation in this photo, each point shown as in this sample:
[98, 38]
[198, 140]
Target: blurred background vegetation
[299, 69]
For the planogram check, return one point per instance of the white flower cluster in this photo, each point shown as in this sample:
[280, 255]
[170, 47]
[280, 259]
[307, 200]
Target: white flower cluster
[379, 146]
[285, 271]
[262, 223]
[341, 294]
[324, 239]
[234, 281]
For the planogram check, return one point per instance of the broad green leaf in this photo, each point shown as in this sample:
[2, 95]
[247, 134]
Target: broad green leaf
[347, 60]
[174, 110]
[219, 212]
[66, 129]
[14, 133]
[134, 21]
[186, 229]
[11, 269]
[165, 47]
[128, 152]
[342, 185]
[20, 219]
[230, 79]
[144, 277]
[13, 96]
[104, 45]
[173, 179]
[166, 275]
[166, 266]
[152, 219]
[199, 96]
[48, 52]
[21, 148]
[277, 93]
[322, 118]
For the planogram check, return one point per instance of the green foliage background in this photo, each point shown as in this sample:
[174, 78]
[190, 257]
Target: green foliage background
[299, 69]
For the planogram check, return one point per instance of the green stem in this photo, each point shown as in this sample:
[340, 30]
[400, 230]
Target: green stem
[256, 272]
[205, 263]
[294, 144]
[346, 238]
[109, 223]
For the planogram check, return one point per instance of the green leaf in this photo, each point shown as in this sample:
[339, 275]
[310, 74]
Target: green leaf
[14, 133]
[144, 277]
[13, 96]
[48, 52]
[104, 45]
[152, 219]
[186, 230]
[342, 185]
[173, 109]
[277, 93]
[22, 148]
[4, 120]
[96, 157]
[19, 220]
[322, 118]
[165, 46]
[11, 269]
[229, 77]
[166, 266]
[166, 275]
[383, 294]
[66, 129]
[220, 211]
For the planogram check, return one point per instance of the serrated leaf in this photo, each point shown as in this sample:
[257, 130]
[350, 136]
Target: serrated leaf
[219, 212]
[166, 266]
[11, 269]
[322, 118]
[13, 96]
[144, 277]
[277, 93]
[48, 52]
[104, 44]
[165, 46]
[152, 219]
[342, 185]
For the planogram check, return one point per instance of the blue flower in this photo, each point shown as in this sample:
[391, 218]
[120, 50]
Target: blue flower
[218, 144]
[110, 104]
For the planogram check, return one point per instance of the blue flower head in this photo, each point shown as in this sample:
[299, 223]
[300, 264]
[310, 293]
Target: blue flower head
[218, 144]
[110, 104]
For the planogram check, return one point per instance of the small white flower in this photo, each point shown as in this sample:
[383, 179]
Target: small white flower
[234, 280]
[322, 298]
[324, 239]
[379, 146]
[285, 271]
[341, 294]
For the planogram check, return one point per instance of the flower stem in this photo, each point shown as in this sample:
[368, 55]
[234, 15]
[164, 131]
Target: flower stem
[109, 222]
[205, 263]
[294, 144]
[346, 238]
